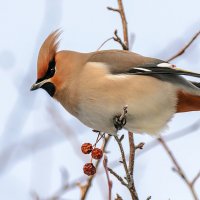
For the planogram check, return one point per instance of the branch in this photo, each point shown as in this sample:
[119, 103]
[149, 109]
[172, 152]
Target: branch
[119, 122]
[180, 52]
[140, 146]
[129, 177]
[105, 164]
[113, 9]
[123, 158]
[111, 38]
[131, 154]
[131, 164]
[148, 147]
[124, 23]
[195, 179]
[120, 179]
[120, 10]
[119, 40]
[178, 168]
[118, 197]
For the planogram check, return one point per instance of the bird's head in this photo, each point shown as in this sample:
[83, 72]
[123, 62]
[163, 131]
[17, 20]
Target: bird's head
[46, 65]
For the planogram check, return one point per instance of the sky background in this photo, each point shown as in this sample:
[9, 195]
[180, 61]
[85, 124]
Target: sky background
[39, 140]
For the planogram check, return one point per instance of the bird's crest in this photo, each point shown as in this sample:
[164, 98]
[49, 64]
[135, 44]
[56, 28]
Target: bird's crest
[47, 53]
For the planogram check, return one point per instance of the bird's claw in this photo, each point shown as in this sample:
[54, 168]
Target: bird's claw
[119, 122]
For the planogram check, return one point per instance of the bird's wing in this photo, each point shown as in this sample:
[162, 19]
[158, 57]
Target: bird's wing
[162, 68]
[124, 62]
[119, 61]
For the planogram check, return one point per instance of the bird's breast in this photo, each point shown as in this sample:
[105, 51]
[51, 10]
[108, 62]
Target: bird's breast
[149, 107]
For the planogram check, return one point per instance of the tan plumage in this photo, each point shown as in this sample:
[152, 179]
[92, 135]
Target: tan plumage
[94, 87]
[47, 53]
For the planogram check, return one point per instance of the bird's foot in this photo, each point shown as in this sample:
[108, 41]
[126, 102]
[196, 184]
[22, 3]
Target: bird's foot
[119, 121]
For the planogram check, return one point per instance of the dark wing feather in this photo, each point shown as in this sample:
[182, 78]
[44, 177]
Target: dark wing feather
[125, 62]
[152, 70]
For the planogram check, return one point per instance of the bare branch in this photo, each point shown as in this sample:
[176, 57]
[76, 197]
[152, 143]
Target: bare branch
[120, 10]
[128, 171]
[113, 9]
[123, 158]
[105, 164]
[195, 179]
[120, 179]
[148, 147]
[140, 146]
[118, 197]
[111, 38]
[131, 154]
[131, 165]
[119, 40]
[178, 168]
[180, 52]
[124, 23]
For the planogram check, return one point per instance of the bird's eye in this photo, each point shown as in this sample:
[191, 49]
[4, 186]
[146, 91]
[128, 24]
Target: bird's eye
[51, 69]
[52, 64]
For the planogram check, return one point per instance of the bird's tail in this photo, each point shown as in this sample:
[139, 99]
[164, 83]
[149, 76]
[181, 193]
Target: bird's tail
[188, 102]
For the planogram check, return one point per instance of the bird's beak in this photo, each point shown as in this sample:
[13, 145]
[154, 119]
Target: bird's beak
[36, 85]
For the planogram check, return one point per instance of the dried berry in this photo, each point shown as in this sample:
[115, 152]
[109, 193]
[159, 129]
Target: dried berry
[86, 148]
[97, 153]
[89, 169]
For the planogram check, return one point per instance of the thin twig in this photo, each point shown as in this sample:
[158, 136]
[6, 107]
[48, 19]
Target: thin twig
[178, 168]
[131, 154]
[105, 164]
[195, 179]
[140, 146]
[120, 179]
[116, 38]
[180, 52]
[123, 158]
[131, 165]
[118, 197]
[129, 178]
[120, 10]
[111, 38]
[113, 9]
[90, 179]
[148, 147]
[124, 23]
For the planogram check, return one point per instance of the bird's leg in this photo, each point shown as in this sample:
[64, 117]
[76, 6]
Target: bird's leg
[119, 121]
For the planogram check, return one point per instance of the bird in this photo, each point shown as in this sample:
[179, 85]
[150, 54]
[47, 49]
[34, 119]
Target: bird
[94, 87]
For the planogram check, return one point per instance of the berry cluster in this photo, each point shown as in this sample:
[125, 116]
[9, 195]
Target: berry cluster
[96, 153]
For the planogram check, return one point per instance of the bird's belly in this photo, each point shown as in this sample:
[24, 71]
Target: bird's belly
[144, 115]
[151, 103]
[151, 124]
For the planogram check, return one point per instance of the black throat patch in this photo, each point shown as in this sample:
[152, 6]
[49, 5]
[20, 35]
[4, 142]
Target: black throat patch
[49, 87]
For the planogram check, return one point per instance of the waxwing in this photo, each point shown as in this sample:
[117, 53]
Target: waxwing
[96, 86]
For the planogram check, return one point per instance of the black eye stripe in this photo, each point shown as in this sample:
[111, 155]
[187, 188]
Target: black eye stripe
[50, 71]
[52, 64]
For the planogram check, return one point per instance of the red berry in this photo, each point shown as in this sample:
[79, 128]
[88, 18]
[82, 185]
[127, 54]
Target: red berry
[89, 169]
[86, 148]
[97, 153]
